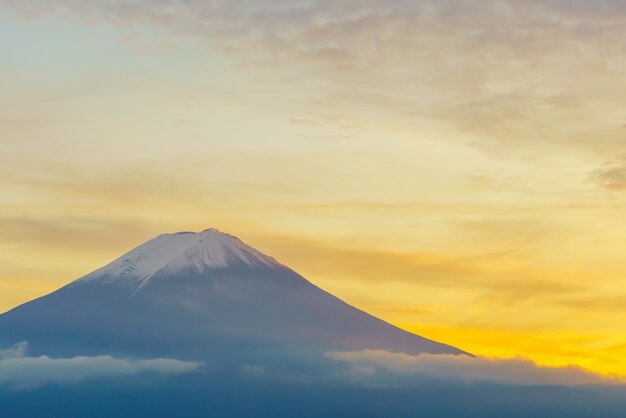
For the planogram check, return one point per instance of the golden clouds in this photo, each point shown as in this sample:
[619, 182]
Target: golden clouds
[610, 176]
[598, 351]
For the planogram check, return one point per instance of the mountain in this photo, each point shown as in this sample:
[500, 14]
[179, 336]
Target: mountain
[201, 295]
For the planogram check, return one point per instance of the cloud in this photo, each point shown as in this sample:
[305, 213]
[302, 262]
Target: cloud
[506, 71]
[77, 232]
[22, 372]
[610, 176]
[18, 350]
[253, 370]
[596, 9]
[515, 371]
[470, 272]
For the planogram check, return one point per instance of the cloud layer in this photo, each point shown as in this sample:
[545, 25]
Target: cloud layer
[515, 371]
[19, 371]
[496, 69]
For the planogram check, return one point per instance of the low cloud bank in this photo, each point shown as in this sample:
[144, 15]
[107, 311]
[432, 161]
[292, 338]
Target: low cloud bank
[514, 371]
[20, 371]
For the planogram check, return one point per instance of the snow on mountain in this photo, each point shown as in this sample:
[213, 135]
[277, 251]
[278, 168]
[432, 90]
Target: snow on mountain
[209, 249]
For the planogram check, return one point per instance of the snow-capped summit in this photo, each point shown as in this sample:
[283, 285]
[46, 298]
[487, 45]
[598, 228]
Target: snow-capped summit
[198, 251]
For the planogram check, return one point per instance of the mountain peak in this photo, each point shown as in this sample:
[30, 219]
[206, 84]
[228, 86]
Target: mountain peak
[202, 294]
[199, 251]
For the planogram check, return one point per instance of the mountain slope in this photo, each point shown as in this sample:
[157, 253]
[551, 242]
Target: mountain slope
[201, 295]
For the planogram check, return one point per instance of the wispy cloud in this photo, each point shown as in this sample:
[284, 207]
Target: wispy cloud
[461, 271]
[18, 350]
[497, 69]
[518, 371]
[19, 371]
[611, 176]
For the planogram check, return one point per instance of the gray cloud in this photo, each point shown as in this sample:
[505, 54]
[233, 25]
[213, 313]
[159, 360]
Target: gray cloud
[597, 8]
[18, 350]
[22, 372]
[516, 371]
[253, 370]
[610, 176]
[509, 72]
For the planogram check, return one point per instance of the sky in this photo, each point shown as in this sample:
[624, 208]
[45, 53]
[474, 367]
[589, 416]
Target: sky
[457, 168]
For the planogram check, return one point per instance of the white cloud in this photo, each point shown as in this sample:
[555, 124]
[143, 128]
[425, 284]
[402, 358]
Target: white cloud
[518, 371]
[19, 371]
[18, 350]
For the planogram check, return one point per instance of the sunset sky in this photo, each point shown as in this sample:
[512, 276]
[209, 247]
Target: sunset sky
[457, 168]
